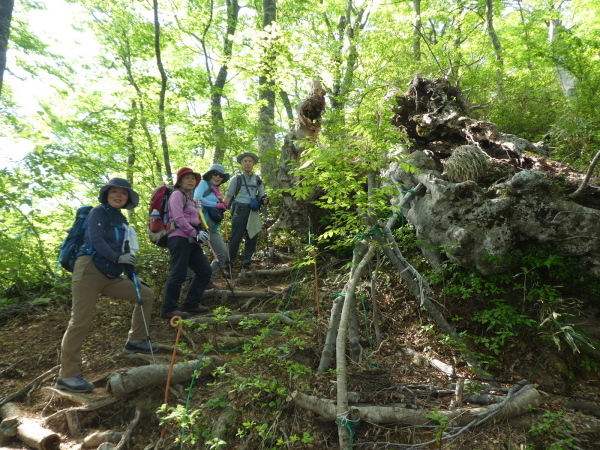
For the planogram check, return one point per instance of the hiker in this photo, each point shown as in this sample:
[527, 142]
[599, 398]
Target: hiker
[248, 193]
[97, 271]
[184, 246]
[209, 201]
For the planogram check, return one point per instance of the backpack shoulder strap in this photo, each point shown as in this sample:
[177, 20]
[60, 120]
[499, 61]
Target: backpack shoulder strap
[237, 183]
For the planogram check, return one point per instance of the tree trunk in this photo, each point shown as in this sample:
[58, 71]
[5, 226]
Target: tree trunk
[121, 384]
[162, 127]
[6, 9]
[348, 29]
[489, 24]
[567, 80]
[139, 106]
[305, 130]
[416, 6]
[266, 94]
[329, 347]
[340, 350]
[216, 110]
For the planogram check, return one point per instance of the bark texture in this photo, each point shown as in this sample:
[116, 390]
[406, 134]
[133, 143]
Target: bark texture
[487, 193]
[6, 9]
[305, 129]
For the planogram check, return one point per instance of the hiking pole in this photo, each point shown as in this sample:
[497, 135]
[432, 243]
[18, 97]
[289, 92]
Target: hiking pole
[130, 270]
[228, 254]
[205, 225]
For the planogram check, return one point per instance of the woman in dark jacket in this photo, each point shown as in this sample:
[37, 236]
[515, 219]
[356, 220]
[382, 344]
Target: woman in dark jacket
[184, 246]
[97, 271]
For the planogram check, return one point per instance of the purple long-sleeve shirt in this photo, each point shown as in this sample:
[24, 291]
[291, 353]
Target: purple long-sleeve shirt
[184, 213]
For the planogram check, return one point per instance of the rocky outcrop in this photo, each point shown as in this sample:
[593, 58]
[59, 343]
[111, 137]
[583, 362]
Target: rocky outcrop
[486, 193]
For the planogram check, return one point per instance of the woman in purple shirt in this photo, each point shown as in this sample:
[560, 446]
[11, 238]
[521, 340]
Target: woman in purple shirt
[184, 246]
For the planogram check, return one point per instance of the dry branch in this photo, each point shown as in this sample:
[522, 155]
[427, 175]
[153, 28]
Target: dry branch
[28, 387]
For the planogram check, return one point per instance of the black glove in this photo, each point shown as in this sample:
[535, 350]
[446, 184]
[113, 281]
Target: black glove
[127, 258]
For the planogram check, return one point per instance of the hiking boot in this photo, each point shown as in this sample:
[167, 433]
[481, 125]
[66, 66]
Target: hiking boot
[74, 384]
[200, 309]
[172, 314]
[139, 346]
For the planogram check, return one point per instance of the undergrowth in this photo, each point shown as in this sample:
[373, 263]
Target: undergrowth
[535, 299]
[255, 398]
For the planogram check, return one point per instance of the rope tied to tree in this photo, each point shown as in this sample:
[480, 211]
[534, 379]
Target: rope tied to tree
[344, 420]
[374, 231]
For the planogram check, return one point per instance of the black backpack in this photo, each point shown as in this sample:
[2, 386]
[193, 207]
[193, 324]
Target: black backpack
[74, 240]
[238, 185]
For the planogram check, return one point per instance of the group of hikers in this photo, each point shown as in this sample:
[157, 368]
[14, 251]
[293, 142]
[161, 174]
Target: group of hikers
[195, 207]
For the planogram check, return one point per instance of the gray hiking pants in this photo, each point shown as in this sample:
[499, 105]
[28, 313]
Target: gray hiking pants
[220, 249]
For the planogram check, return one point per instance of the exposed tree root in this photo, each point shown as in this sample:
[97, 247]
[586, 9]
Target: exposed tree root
[518, 401]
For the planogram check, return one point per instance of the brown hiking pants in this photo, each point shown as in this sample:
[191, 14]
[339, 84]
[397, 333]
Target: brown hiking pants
[88, 284]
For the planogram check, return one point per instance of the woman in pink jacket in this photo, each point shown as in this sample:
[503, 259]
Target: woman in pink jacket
[184, 246]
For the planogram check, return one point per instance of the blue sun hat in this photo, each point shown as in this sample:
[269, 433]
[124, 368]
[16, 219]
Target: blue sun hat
[134, 198]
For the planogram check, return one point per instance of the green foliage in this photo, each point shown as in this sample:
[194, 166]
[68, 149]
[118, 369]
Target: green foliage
[259, 397]
[441, 427]
[552, 433]
[504, 322]
[341, 164]
[527, 300]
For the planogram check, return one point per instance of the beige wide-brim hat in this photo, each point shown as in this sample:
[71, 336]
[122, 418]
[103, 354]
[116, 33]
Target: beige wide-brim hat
[250, 154]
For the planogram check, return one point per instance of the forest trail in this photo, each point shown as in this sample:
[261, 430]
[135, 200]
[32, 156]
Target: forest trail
[388, 375]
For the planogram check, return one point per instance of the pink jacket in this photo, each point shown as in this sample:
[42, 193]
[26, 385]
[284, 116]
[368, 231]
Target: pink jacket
[184, 213]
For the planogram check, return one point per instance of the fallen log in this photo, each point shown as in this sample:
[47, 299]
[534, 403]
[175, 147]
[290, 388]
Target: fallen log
[515, 406]
[224, 292]
[30, 431]
[253, 273]
[122, 384]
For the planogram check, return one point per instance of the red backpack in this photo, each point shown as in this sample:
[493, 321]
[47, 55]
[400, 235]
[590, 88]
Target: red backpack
[160, 224]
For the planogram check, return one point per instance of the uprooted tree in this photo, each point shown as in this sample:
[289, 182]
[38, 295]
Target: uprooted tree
[486, 193]
[477, 192]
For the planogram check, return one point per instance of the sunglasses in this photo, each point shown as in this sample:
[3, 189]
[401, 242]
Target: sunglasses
[217, 174]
